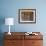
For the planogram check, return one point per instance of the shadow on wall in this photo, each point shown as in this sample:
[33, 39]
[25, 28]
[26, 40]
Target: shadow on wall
[2, 21]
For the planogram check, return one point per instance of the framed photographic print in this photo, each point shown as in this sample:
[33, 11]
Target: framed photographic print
[27, 15]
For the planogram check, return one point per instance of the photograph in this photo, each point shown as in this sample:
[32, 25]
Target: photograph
[27, 15]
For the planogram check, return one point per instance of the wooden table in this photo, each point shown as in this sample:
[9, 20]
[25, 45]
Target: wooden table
[20, 39]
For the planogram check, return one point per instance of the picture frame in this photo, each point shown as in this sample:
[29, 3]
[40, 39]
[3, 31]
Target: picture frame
[27, 15]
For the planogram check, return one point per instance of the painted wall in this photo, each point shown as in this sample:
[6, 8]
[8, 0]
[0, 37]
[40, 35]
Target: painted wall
[9, 8]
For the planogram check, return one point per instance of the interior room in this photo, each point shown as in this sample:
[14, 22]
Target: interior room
[19, 20]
